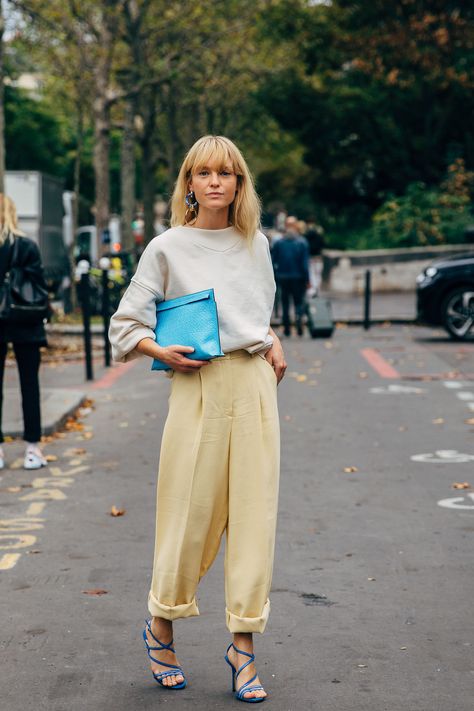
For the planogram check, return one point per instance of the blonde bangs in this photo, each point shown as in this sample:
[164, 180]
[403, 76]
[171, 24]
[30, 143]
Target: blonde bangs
[218, 152]
[212, 154]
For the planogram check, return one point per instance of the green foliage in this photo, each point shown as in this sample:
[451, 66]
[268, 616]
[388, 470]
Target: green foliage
[424, 216]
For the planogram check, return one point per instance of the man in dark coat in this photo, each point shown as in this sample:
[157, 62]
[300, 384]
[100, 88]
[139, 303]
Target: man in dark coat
[290, 257]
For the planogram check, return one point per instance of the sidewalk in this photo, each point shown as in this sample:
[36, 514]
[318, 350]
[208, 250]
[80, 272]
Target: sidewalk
[399, 307]
[64, 385]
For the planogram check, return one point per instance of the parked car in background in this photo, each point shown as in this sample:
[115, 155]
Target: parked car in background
[445, 295]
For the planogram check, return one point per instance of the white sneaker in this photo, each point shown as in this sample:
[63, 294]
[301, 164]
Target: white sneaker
[34, 458]
[2, 459]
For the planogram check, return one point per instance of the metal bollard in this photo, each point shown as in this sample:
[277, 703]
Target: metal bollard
[86, 319]
[367, 296]
[105, 266]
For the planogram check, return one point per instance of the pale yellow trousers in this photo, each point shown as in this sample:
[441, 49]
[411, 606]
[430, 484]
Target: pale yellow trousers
[219, 471]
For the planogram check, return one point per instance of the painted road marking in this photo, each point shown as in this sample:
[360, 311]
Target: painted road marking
[35, 509]
[9, 560]
[443, 456]
[454, 384]
[465, 395]
[395, 388]
[113, 375]
[379, 364]
[454, 503]
[46, 488]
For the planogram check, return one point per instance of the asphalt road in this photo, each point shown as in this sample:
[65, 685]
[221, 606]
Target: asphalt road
[373, 582]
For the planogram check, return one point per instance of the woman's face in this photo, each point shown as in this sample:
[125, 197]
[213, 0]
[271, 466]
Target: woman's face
[213, 187]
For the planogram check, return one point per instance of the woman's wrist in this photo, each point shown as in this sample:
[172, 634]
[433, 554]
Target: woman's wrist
[149, 347]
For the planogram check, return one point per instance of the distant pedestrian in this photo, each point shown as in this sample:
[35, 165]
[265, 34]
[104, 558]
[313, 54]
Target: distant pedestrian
[290, 256]
[219, 457]
[20, 258]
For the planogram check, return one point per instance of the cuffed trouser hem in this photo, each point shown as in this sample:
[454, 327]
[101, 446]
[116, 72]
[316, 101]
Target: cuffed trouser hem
[237, 624]
[168, 612]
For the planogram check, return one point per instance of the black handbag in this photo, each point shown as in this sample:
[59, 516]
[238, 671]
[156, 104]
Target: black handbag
[23, 300]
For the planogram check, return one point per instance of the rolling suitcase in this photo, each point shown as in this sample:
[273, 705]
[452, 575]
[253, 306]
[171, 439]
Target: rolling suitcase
[319, 317]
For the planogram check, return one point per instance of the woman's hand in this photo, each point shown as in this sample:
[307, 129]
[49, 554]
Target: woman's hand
[171, 355]
[276, 357]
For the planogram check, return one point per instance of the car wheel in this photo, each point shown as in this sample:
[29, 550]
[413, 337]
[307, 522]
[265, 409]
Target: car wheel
[457, 313]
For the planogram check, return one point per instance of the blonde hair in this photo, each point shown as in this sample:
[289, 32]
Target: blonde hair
[8, 219]
[219, 151]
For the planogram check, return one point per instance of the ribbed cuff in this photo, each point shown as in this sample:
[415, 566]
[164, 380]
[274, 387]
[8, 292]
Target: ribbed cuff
[168, 612]
[248, 624]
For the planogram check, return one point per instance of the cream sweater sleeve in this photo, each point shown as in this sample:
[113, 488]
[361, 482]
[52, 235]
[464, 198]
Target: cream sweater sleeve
[135, 317]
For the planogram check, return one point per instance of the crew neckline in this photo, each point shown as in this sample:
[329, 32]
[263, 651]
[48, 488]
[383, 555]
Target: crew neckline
[219, 240]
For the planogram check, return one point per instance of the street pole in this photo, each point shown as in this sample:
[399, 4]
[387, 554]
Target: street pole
[367, 295]
[104, 264]
[83, 271]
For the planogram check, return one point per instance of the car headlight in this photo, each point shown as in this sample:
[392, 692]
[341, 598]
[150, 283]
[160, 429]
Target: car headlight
[431, 272]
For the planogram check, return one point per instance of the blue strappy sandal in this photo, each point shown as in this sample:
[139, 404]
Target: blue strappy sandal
[247, 686]
[172, 669]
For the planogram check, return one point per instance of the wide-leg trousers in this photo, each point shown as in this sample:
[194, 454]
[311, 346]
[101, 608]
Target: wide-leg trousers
[218, 471]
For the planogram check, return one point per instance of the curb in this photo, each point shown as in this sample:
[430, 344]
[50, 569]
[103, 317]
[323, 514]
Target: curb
[57, 405]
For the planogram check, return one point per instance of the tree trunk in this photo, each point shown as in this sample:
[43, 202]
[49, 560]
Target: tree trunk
[101, 167]
[148, 180]
[2, 107]
[127, 176]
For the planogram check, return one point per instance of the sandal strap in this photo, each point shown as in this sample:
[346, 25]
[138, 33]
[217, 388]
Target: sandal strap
[245, 689]
[164, 664]
[162, 675]
[162, 645]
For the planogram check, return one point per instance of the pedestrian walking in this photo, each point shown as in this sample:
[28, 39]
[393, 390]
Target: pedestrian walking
[220, 449]
[20, 266]
[290, 256]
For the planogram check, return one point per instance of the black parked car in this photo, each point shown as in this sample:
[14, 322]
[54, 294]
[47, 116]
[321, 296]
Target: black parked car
[445, 295]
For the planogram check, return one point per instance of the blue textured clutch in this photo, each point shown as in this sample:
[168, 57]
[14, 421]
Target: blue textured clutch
[189, 320]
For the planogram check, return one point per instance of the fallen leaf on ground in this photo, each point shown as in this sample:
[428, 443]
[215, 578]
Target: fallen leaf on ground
[87, 435]
[363, 375]
[77, 451]
[461, 485]
[95, 591]
[123, 424]
[301, 378]
[362, 666]
[402, 647]
[287, 417]
[470, 421]
[350, 469]
[370, 578]
[33, 552]
[51, 458]
[438, 421]
[114, 511]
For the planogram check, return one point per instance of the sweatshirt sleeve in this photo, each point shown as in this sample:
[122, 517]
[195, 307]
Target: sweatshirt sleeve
[135, 317]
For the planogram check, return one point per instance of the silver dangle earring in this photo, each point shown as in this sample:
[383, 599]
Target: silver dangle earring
[191, 205]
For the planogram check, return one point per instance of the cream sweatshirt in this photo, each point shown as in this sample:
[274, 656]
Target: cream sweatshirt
[184, 260]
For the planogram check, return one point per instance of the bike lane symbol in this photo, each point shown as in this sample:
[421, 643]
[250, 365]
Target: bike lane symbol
[443, 456]
[455, 502]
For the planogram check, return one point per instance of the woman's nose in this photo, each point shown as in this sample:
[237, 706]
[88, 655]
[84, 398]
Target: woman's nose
[214, 178]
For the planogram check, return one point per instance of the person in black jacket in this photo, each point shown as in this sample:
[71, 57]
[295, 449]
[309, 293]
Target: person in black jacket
[26, 338]
[290, 257]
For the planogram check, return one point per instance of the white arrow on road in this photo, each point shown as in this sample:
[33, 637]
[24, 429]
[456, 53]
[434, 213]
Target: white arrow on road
[443, 456]
[396, 389]
[454, 502]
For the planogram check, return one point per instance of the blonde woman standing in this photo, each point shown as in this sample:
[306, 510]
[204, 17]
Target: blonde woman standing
[220, 450]
[22, 254]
